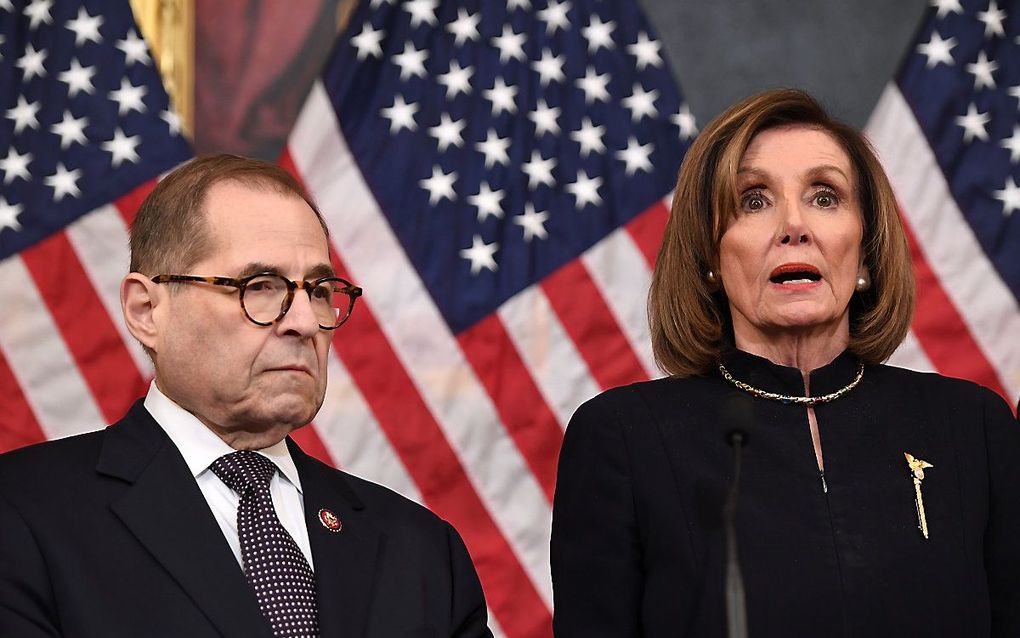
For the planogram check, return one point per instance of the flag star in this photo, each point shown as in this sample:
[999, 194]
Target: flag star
[502, 97]
[122, 147]
[982, 72]
[421, 11]
[646, 51]
[518, 4]
[70, 130]
[24, 114]
[456, 80]
[38, 12]
[593, 85]
[937, 50]
[1012, 144]
[481, 255]
[447, 132]
[585, 190]
[85, 27]
[440, 185]
[641, 103]
[555, 16]
[550, 67]
[510, 44]
[684, 119]
[589, 137]
[2, 38]
[1015, 92]
[465, 27]
[973, 124]
[487, 201]
[375, 4]
[400, 115]
[129, 97]
[1009, 195]
[6, 4]
[369, 42]
[495, 149]
[533, 222]
[636, 156]
[947, 6]
[32, 62]
[411, 61]
[9, 214]
[78, 78]
[15, 165]
[538, 170]
[64, 182]
[992, 19]
[544, 117]
[134, 49]
[599, 34]
[173, 121]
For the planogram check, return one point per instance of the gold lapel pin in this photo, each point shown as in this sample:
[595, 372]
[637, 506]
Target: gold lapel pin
[917, 467]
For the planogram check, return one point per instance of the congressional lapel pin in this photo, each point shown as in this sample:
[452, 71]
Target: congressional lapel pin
[917, 468]
[329, 520]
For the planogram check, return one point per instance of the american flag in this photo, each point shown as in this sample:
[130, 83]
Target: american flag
[493, 175]
[948, 132]
[85, 128]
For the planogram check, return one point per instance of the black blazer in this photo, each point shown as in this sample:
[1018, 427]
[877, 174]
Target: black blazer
[107, 534]
[637, 544]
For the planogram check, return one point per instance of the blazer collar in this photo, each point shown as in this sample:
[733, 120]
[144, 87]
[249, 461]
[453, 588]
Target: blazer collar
[166, 511]
[345, 560]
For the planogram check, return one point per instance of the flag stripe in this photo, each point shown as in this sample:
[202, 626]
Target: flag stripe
[409, 318]
[647, 229]
[987, 308]
[941, 331]
[45, 370]
[128, 204]
[558, 369]
[620, 271]
[93, 341]
[437, 471]
[521, 406]
[911, 355]
[18, 425]
[590, 324]
[100, 239]
[352, 435]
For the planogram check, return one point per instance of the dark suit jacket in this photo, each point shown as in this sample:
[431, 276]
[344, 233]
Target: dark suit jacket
[107, 534]
[637, 540]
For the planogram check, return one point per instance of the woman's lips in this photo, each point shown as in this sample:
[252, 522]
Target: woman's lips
[795, 274]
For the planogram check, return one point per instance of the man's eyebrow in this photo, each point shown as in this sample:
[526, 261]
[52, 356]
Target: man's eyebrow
[315, 272]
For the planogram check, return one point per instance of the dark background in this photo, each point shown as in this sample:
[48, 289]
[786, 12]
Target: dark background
[256, 59]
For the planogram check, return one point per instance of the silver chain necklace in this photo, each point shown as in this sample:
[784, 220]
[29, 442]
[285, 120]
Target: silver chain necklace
[785, 398]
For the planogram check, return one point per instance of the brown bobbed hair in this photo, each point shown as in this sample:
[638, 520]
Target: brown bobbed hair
[170, 232]
[689, 317]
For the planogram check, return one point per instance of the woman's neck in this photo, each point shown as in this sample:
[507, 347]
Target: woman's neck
[805, 350]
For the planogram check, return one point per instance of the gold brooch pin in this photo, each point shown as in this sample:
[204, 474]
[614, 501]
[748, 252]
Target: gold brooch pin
[917, 467]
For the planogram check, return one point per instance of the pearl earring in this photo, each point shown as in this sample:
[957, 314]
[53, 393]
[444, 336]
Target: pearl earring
[711, 278]
[863, 283]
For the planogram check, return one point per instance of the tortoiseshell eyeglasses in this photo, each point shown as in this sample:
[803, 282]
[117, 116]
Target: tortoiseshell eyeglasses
[266, 297]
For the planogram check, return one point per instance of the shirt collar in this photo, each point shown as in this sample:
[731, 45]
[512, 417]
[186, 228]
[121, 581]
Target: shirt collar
[199, 446]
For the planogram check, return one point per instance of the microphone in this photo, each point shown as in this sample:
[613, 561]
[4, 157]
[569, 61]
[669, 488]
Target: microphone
[737, 412]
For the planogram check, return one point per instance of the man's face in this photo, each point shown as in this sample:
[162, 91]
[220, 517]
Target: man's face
[250, 384]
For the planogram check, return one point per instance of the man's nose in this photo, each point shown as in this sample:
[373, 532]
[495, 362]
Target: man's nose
[300, 318]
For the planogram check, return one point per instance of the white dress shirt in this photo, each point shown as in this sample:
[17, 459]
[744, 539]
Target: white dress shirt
[200, 447]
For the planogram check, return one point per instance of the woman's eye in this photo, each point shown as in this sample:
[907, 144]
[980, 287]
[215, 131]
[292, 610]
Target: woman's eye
[754, 201]
[826, 199]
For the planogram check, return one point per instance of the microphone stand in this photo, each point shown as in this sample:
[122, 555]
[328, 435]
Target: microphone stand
[736, 606]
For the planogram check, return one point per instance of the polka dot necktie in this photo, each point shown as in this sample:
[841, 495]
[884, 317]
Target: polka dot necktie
[283, 582]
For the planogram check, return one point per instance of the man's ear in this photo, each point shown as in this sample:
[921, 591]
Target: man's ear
[139, 297]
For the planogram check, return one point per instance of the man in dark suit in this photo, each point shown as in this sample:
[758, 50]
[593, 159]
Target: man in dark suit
[195, 515]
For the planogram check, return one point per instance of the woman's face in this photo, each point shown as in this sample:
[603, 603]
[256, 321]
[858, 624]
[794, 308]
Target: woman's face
[791, 255]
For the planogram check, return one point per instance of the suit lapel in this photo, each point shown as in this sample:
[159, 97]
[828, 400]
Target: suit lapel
[345, 561]
[166, 511]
